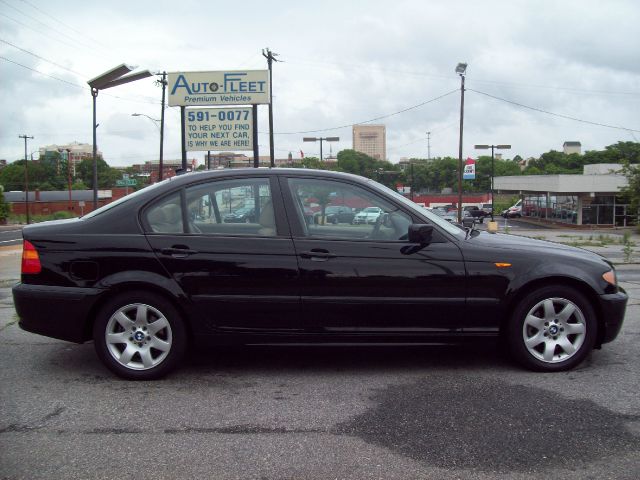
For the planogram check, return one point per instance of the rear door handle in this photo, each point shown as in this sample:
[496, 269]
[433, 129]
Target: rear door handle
[178, 251]
[318, 255]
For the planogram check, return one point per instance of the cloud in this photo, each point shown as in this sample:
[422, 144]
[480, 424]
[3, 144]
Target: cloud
[342, 62]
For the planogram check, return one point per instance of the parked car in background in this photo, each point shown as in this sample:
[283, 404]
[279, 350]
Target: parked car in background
[513, 212]
[452, 217]
[476, 213]
[336, 214]
[241, 215]
[150, 276]
[367, 215]
[487, 208]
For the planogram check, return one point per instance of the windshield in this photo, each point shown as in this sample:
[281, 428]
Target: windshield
[435, 219]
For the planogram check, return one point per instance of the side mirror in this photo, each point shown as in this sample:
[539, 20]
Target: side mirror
[420, 233]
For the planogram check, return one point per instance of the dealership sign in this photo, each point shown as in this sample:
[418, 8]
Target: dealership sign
[219, 128]
[246, 87]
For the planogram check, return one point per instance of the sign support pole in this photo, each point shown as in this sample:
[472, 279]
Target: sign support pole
[184, 138]
[256, 149]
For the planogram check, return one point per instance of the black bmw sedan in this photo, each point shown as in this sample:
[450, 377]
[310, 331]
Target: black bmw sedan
[151, 275]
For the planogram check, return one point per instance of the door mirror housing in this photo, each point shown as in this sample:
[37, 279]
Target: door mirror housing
[420, 233]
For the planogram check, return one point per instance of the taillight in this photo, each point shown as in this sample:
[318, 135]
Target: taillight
[30, 258]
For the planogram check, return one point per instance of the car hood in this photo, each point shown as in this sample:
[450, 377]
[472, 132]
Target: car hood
[531, 245]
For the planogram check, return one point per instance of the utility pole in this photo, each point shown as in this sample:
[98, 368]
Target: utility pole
[428, 145]
[460, 70]
[26, 175]
[270, 56]
[163, 83]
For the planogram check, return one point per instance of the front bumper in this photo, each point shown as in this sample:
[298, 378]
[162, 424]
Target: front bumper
[57, 312]
[613, 307]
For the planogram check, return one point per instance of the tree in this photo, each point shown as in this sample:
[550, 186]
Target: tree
[4, 207]
[351, 161]
[632, 190]
[309, 162]
[107, 176]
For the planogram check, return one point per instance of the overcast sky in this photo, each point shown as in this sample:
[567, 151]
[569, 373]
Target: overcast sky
[343, 62]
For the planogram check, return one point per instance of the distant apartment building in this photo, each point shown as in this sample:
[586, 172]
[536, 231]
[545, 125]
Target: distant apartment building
[572, 147]
[371, 140]
[75, 151]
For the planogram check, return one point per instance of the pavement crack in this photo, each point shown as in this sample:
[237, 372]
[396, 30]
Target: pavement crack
[240, 430]
[16, 427]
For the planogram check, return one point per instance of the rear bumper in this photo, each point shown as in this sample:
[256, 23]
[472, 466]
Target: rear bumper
[57, 312]
[613, 307]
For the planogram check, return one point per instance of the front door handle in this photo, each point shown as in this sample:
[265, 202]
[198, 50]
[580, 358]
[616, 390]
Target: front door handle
[318, 255]
[178, 251]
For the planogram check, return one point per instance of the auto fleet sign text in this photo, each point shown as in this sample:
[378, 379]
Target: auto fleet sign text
[250, 87]
[219, 129]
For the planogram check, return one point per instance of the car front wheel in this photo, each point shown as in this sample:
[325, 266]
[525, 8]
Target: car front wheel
[552, 329]
[139, 336]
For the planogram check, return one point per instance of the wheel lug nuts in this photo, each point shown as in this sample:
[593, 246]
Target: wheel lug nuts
[148, 338]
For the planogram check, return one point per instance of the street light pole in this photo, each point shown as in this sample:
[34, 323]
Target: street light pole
[321, 139]
[492, 147]
[26, 176]
[460, 70]
[68, 152]
[160, 128]
[116, 76]
[94, 94]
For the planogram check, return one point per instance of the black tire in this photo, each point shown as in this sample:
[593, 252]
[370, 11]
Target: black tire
[140, 348]
[552, 329]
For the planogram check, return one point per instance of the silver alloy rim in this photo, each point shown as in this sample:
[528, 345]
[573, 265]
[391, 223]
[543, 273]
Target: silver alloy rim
[554, 330]
[138, 336]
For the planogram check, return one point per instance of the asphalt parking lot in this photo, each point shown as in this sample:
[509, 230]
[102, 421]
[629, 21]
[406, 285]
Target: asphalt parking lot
[323, 412]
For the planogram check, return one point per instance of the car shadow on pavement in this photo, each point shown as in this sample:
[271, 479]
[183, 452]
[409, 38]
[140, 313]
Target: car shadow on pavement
[351, 358]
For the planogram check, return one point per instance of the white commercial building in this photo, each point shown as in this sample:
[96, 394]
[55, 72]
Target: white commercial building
[592, 198]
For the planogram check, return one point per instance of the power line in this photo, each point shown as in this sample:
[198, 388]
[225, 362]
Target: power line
[45, 74]
[42, 58]
[45, 35]
[387, 69]
[575, 119]
[58, 32]
[413, 107]
[81, 34]
[77, 85]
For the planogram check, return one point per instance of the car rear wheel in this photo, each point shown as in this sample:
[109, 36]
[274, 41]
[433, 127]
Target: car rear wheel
[139, 336]
[552, 329]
